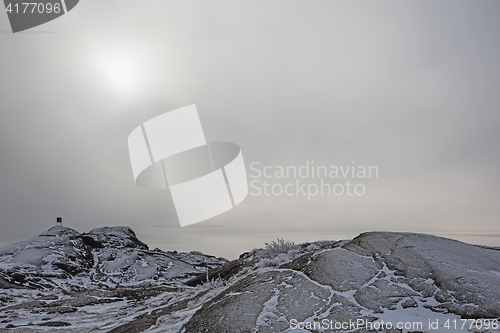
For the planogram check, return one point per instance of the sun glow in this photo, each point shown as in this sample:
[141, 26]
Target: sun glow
[121, 72]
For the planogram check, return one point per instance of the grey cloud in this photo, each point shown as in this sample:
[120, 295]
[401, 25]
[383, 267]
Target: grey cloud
[409, 86]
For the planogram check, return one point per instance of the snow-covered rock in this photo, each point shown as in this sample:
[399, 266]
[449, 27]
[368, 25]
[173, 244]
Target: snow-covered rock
[376, 278]
[62, 257]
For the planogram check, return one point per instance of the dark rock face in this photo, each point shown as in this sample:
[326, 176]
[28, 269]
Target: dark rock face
[87, 240]
[224, 272]
[116, 237]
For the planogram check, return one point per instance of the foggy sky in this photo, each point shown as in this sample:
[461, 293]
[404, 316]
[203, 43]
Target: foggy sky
[411, 87]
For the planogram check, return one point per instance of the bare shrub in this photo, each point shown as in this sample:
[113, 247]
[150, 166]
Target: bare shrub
[273, 249]
[212, 284]
[207, 290]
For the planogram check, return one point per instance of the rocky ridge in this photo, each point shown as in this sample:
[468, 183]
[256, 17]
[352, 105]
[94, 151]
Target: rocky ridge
[376, 277]
[63, 258]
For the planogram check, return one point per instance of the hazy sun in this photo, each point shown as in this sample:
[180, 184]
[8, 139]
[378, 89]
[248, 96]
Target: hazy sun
[120, 72]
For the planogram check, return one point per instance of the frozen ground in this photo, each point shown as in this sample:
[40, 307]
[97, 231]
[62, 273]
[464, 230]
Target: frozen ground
[423, 282]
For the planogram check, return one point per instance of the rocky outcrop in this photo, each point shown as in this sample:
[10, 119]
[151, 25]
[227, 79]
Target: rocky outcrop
[376, 277]
[63, 258]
